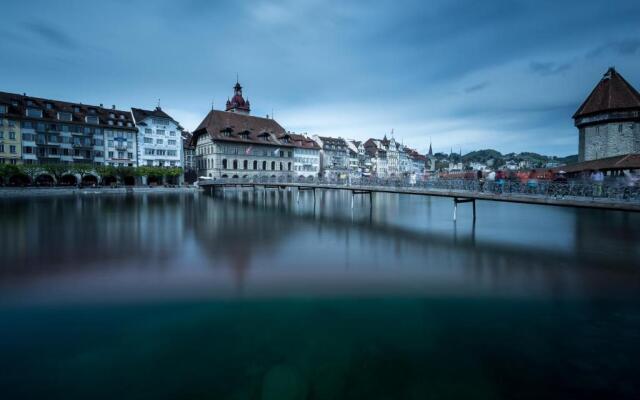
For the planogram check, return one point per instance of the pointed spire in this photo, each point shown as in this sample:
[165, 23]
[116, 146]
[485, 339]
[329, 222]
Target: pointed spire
[430, 148]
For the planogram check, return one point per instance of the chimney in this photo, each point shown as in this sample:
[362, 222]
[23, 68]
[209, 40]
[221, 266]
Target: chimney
[113, 107]
[101, 105]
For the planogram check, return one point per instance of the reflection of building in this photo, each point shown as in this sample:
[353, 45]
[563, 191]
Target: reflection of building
[188, 158]
[159, 138]
[233, 143]
[609, 119]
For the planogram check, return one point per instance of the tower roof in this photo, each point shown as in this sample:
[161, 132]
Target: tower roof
[613, 92]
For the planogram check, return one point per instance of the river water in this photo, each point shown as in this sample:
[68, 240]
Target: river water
[256, 296]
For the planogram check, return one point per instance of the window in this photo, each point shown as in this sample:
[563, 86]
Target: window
[160, 152]
[172, 133]
[76, 109]
[1, 135]
[148, 140]
[91, 119]
[34, 112]
[3, 109]
[1, 148]
[245, 164]
[149, 152]
[172, 153]
[110, 122]
[148, 131]
[159, 141]
[121, 154]
[255, 165]
[121, 116]
[224, 163]
[120, 123]
[160, 121]
[130, 155]
[12, 136]
[235, 164]
[159, 131]
[171, 142]
[110, 143]
[273, 165]
[64, 116]
[264, 165]
[110, 154]
[112, 115]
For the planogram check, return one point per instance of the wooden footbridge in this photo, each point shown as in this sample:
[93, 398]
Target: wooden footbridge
[559, 196]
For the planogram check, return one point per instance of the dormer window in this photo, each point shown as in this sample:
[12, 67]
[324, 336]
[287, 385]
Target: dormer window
[112, 115]
[34, 112]
[110, 122]
[30, 103]
[120, 123]
[244, 135]
[91, 119]
[76, 109]
[64, 116]
[129, 124]
[3, 109]
[49, 106]
[121, 116]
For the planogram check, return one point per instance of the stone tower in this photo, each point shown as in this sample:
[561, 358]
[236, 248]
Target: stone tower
[608, 121]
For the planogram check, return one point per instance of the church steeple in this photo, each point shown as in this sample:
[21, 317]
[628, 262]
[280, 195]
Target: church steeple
[237, 104]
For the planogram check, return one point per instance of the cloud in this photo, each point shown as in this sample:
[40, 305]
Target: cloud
[548, 68]
[621, 47]
[476, 88]
[52, 35]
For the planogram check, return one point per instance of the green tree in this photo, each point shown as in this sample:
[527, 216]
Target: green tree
[106, 171]
[32, 171]
[173, 172]
[82, 170]
[56, 170]
[123, 172]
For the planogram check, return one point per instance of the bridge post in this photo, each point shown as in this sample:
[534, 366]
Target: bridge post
[455, 208]
[298, 196]
[352, 196]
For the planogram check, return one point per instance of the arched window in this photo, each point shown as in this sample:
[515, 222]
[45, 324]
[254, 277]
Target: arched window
[281, 166]
[255, 164]
[289, 166]
[245, 164]
[264, 165]
[273, 165]
[224, 163]
[235, 164]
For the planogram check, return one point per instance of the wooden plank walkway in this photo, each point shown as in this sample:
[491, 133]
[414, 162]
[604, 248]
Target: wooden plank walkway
[580, 202]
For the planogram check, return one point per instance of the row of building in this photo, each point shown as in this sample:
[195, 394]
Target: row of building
[43, 131]
[235, 144]
[230, 143]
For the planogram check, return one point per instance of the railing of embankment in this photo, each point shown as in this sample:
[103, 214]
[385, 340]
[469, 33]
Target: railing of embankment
[578, 190]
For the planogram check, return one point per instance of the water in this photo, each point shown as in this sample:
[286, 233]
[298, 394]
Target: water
[254, 296]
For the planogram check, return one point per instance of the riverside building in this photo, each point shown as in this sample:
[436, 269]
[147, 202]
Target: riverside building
[53, 131]
[10, 136]
[159, 140]
[608, 121]
[235, 144]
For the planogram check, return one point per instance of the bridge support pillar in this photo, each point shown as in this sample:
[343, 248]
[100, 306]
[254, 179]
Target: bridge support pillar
[457, 200]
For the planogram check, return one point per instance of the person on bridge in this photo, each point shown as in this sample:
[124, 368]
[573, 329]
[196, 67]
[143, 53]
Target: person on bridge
[480, 179]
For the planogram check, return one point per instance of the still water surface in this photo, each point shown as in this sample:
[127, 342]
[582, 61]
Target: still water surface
[254, 296]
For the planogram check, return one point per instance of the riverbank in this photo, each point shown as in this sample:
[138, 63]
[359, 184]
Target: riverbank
[72, 191]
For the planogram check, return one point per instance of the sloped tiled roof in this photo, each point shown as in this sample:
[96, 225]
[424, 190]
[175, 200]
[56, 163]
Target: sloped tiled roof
[613, 92]
[139, 114]
[628, 161]
[17, 105]
[235, 127]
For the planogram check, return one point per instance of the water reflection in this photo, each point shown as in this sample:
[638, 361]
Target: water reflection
[264, 243]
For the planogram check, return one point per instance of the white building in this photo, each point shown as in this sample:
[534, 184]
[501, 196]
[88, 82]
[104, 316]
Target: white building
[159, 138]
[306, 156]
[334, 156]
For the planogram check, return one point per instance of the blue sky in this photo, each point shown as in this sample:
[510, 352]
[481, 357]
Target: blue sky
[465, 74]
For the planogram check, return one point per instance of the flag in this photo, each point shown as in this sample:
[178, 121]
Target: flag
[248, 151]
[276, 151]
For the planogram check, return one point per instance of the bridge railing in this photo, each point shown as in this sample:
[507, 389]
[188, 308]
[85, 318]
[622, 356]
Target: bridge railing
[609, 191]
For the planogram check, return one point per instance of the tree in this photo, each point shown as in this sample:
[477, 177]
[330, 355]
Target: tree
[123, 172]
[106, 171]
[56, 170]
[32, 171]
[82, 170]
[173, 172]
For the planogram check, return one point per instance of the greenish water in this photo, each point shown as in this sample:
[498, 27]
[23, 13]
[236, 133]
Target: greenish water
[246, 297]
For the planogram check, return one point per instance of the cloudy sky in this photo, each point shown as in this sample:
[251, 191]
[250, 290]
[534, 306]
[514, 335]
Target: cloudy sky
[464, 74]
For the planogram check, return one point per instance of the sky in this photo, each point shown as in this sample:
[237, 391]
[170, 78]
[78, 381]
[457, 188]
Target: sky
[464, 75]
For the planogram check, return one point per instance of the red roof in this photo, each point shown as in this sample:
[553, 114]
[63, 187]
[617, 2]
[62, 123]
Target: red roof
[613, 92]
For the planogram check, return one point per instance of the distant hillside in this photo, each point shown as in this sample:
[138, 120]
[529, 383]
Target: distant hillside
[497, 159]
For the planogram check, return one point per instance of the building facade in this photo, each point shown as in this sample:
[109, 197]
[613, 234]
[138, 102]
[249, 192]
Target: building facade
[10, 137]
[306, 155]
[235, 144]
[53, 131]
[608, 121]
[159, 138]
[334, 156]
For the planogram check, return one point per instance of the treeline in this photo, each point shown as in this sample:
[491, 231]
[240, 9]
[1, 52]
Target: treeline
[57, 171]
